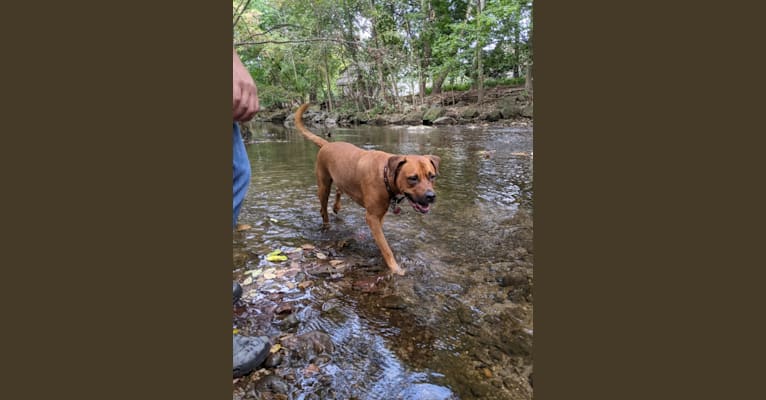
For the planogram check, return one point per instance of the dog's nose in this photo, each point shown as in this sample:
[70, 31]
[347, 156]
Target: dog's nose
[430, 196]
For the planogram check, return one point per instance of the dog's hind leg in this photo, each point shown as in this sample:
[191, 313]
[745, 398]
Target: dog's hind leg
[336, 206]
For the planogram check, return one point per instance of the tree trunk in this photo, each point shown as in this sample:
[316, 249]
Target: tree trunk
[329, 85]
[479, 45]
[425, 59]
[439, 81]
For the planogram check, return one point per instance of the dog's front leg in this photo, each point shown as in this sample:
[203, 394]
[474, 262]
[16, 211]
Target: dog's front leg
[375, 222]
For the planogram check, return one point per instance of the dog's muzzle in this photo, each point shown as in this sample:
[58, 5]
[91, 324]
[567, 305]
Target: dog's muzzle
[422, 205]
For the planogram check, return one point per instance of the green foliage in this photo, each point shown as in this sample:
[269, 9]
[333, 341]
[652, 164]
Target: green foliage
[297, 50]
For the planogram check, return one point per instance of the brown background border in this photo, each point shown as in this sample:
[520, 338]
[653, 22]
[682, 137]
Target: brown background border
[646, 235]
[644, 206]
[120, 198]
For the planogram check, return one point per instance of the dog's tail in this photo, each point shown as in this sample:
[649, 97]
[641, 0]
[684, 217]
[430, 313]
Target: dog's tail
[302, 129]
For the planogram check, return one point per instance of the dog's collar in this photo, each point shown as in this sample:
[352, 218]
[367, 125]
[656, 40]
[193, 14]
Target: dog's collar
[394, 198]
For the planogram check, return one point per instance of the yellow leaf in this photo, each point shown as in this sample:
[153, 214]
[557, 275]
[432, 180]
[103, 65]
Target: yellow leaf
[276, 258]
[275, 348]
[274, 253]
[236, 331]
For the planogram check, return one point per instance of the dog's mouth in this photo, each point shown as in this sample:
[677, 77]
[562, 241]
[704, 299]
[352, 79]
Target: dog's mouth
[421, 207]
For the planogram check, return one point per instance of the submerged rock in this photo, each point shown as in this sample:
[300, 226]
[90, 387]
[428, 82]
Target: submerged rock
[426, 391]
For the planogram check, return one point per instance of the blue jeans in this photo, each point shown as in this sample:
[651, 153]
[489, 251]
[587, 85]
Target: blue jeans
[241, 173]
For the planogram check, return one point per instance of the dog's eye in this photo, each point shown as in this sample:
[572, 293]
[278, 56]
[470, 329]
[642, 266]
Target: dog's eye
[412, 179]
[431, 177]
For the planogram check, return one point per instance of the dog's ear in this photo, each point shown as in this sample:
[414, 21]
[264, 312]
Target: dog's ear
[394, 163]
[435, 161]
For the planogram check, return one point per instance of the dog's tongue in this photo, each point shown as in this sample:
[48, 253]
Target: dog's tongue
[420, 208]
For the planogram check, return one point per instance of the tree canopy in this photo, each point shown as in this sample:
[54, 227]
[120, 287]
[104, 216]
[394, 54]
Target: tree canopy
[370, 53]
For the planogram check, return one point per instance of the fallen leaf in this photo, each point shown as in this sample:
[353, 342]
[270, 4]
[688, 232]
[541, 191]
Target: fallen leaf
[310, 370]
[243, 227]
[273, 220]
[321, 256]
[305, 284]
[254, 272]
[275, 348]
[269, 274]
[236, 331]
[248, 281]
[307, 247]
[335, 263]
[276, 258]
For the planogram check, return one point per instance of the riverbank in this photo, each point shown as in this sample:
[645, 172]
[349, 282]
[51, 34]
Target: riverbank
[500, 106]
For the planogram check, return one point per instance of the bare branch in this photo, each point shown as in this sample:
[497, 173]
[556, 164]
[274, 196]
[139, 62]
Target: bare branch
[275, 27]
[252, 43]
[240, 12]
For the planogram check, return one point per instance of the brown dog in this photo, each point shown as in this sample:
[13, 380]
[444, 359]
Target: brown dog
[373, 179]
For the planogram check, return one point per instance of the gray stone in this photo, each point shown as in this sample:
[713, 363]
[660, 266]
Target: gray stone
[492, 116]
[469, 113]
[414, 118]
[444, 121]
[432, 114]
[249, 353]
[527, 111]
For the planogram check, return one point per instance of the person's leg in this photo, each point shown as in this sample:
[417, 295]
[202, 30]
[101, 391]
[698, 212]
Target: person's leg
[249, 352]
[241, 173]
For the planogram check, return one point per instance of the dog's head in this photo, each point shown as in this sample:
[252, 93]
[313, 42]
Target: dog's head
[414, 176]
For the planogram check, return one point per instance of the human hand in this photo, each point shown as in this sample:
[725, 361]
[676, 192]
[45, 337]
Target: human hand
[245, 93]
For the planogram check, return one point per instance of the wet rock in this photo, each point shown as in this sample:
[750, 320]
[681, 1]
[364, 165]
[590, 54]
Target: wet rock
[284, 308]
[426, 391]
[393, 302]
[469, 113]
[479, 389]
[378, 121]
[322, 271]
[309, 345]
[290, 323]
[517, 277]
[274, 360]
[493, 116]
[370, 284]
[511, 107]
[396, 119]
[444, 121]
[358, 118]
[518, 344]
[278, 117]
[432, 114]
[249, 353]
[240, 259]
[271, 384]
[414, 118]
[465, 315]
[527, 111]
